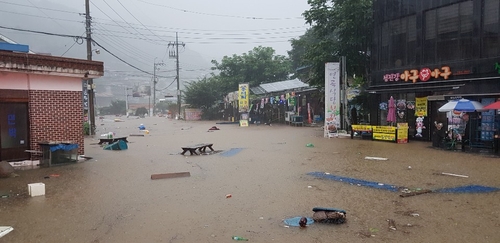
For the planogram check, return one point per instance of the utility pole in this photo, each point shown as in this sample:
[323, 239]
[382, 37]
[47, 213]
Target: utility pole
[343, 93]
[154, 83]
[90, 82]
[175, 54]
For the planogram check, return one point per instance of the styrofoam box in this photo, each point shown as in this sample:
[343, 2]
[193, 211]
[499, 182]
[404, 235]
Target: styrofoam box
[36, 189]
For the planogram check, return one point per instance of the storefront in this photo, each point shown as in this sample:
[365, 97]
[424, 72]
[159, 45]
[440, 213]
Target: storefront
[419, 96]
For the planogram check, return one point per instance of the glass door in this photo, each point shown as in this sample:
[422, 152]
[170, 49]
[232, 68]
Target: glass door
[14, 131]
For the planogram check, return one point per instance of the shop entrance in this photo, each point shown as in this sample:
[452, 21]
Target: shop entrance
[14, 131]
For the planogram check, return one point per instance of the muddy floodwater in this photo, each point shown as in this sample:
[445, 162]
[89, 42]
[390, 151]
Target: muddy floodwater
[111, 197]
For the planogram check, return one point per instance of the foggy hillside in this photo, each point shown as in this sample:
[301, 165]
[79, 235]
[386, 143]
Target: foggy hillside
[140, 50]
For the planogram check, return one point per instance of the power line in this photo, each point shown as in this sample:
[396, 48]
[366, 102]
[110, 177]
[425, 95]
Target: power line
[50, 9]
[74, 42]
[42, 32]
[125, 20]
[78, 37]
[120, 58]
[38, 16]
[113, 20]
[125, 45]
[221, 15]
[137, 19]
[181, 30]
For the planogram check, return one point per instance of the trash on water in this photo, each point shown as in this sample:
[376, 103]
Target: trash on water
[142, 127]
[310, 145]
[229, 196]
[239, 238]
[392, 224]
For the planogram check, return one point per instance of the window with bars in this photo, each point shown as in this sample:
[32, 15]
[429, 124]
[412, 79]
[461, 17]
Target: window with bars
[448, 33]
[398, 42]
[490, 30]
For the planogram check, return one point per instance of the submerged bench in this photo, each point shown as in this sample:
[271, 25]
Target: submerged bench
[111, 140]
[200, 147]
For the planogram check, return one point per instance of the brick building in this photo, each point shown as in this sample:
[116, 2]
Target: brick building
[41, 99]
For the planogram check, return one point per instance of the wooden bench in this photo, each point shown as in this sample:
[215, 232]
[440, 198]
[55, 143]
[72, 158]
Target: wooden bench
[200, 147]
[112, 140]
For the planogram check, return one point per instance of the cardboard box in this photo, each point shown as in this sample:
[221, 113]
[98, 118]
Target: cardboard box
[36, 189]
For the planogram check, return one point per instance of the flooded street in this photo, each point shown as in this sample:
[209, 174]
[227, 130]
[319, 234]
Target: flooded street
[111, 197]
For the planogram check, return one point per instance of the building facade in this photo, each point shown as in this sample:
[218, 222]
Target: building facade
[428, 52]
[41, 99]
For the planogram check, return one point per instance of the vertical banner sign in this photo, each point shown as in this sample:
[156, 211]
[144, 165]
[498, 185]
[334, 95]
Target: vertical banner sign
[85, 95]
[421, 106]
[243, 97]
[332, 97]
[243, 104]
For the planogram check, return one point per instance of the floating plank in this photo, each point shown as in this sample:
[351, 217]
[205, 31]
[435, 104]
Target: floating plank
[375, 158]
[170, 175]
[5, 230]
[450, 174]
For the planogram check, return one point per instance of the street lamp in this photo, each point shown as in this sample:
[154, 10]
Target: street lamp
[155, 81]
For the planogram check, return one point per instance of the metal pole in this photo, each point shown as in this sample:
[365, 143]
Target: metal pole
[89, 57]
[126, 102]
[178, 81]
[154, 86]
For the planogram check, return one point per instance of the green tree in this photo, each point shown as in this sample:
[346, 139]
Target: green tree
[162, 107]
[260, 65]
[141, 111]
[339, 28]
[204, 93]
[116, 107]
[309, 54]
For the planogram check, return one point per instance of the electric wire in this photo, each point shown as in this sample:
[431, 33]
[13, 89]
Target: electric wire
[50, 9]
[113, 19]
[221, 15]
[122, 43]
[125, 20]
[74, 42]
[138, 19]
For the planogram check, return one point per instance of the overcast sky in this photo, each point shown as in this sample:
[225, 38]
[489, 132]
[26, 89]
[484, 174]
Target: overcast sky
[138, 31]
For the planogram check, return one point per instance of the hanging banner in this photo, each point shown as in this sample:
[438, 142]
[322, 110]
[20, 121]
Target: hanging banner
[421, 106]
[332, 97]
[243, 98]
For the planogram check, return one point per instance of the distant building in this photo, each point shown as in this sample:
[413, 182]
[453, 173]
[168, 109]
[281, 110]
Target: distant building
[41, 99]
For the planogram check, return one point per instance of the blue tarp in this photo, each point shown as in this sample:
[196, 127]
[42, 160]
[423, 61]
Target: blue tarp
[65, 147]
[353, 181]
[231, 152]
[468, 189]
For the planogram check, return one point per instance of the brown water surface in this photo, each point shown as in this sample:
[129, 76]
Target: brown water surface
[111, 197]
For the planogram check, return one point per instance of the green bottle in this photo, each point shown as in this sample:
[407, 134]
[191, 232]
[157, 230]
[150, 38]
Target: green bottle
[239, 238]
